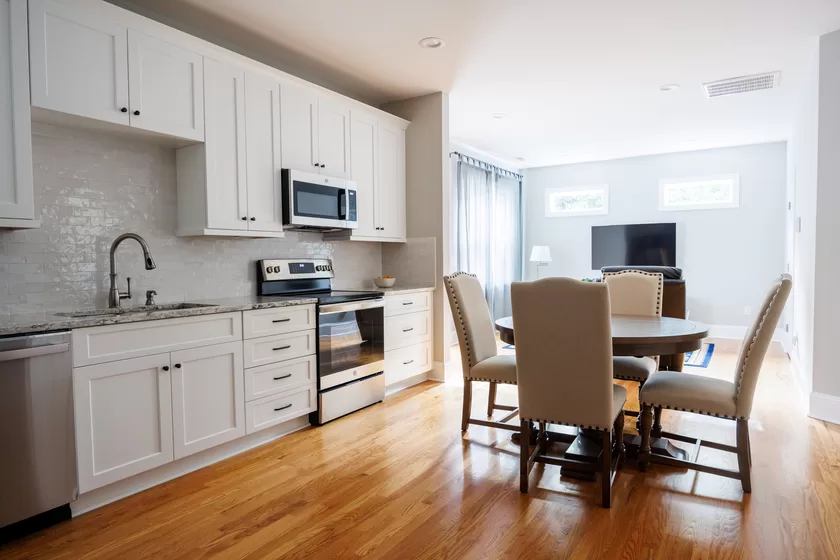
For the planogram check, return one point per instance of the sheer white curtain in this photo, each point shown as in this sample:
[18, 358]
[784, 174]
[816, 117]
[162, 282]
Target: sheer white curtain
[488, 239]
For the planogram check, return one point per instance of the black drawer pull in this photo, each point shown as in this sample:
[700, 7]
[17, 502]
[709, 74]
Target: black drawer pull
[282, 407]
[408, 362]
[288, 375]
[408, 329]
[408, 303]
[286, 320]
[282, 347]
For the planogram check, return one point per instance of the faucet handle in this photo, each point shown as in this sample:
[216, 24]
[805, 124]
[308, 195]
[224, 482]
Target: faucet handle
[127, 294]
[150, 297]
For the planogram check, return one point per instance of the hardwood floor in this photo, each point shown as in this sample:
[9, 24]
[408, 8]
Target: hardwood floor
[398, 480]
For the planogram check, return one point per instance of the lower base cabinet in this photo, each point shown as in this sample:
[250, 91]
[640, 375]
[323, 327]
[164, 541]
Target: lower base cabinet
[276, 409]
[123, 419]
[407, 362]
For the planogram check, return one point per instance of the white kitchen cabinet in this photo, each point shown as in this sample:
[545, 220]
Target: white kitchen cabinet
[123, 414]
[79, 61]
[208, 397]
[17, 207]
[391, 183]
[298, 126]
[166, 87]
[262, 153]
[89, 63]
[364, 146]
[334, 138]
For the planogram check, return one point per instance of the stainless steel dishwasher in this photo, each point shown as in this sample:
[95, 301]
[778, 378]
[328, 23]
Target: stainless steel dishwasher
[38, 469]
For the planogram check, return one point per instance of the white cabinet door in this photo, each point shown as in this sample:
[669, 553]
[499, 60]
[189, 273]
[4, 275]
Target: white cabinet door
[16, 193]
[391, 183]
[227, 198]
[298, 118]
[262, 139]
[208, 397]
[334, 138]
[363, 150]
[123, 419]
[79, 61]
[166, 87]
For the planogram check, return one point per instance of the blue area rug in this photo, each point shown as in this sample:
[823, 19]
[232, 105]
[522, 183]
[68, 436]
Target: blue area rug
[508, 347]
[700, 358]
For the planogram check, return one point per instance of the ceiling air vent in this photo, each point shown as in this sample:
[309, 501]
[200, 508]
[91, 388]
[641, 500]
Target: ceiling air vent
[744, 84]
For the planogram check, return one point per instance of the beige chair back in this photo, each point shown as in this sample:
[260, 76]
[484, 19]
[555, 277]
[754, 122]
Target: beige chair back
[756, 343]
[473, 323]
[564, 352]
[635, 292]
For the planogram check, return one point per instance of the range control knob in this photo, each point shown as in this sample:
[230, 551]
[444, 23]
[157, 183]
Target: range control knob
[277, 269]
[268, 270]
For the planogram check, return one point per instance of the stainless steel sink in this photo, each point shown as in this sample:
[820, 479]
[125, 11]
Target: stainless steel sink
[138, 309]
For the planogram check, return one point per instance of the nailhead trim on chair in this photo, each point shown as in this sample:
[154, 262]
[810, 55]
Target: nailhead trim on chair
[560, 422]
[752, 343]
[715, 414]
[451, 290]
[628, 378]
[658, 290]
[490, 380]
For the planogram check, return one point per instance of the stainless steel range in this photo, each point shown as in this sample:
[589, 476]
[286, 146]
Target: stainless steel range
[351, 341]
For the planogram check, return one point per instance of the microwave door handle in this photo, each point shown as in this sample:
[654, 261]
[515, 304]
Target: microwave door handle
[342, 205]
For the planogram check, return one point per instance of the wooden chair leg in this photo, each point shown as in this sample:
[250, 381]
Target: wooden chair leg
[743, 445]
[491, 399]
[644, 447]
[656, 430]
[618, 443]
[606, 470]
[524, 454]
[542, 439]
[465, 418]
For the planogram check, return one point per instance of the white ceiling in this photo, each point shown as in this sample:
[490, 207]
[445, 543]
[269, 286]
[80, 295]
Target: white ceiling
[578, 80]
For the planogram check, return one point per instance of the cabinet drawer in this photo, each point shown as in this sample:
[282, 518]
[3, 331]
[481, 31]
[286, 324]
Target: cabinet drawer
[399, 304]
[407, 362]
[273, 410]
[268, 322]
[270, 349]
[405, 330]
[276, 378]
[96, 345]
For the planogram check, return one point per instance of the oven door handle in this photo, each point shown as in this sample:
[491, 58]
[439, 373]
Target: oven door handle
[352, 306]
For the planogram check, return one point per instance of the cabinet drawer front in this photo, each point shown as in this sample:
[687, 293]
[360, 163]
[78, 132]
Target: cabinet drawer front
[97, 345]
[282, 376]
[407, 362]
[399, 304]
[273, 410]
[270, 349]
[405, 330]
[268, 322]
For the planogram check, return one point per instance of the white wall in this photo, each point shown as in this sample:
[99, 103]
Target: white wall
[728, 256]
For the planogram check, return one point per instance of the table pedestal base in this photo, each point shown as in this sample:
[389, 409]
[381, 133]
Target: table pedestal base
[587, 448]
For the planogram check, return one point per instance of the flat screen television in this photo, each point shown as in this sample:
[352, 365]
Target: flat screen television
[634, 245]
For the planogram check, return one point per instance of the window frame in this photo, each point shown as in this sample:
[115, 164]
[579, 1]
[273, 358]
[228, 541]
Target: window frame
[550, 191]
[734, 203]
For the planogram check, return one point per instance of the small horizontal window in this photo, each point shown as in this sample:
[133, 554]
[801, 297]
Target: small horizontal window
[699, 193]
[577, 201]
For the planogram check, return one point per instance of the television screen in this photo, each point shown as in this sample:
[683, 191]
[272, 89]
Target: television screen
[634, 245]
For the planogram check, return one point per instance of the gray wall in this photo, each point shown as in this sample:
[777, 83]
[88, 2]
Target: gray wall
[92, 186]
[729, 256]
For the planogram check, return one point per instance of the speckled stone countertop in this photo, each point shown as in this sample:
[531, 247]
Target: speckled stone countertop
[46, 322]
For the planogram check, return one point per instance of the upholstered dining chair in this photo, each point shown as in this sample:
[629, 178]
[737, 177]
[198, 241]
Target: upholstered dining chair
[479, 355]
[564, 372]
[635, 292]
[732, 400]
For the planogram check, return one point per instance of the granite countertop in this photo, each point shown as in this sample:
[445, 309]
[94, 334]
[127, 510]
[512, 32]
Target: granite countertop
[53, 321]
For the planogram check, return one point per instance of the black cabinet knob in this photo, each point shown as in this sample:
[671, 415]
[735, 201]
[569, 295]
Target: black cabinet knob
[253, 219]
[244, 218]
[124, 110]
[322, 166]
[178, 366]
[317, 165]
[137, 113]
[165, 368]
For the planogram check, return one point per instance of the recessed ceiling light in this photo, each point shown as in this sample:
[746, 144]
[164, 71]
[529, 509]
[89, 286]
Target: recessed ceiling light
[499, 115]
[432, 43]
[669, 87]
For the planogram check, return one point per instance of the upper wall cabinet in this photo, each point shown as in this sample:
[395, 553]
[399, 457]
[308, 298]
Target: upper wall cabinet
[91, 65]
[16, 195]
[315, 132]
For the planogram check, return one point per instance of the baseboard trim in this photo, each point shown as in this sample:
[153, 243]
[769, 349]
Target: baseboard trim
[406, 383]
[438, 372]
[143, 481]
[824, 407]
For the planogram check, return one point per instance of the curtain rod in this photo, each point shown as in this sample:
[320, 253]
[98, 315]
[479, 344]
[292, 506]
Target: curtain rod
[486, 166]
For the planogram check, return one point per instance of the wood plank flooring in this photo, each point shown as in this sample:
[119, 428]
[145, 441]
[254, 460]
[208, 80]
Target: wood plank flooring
[398, 480]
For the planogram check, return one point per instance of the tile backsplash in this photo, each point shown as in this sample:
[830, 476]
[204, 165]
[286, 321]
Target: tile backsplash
[92, 186]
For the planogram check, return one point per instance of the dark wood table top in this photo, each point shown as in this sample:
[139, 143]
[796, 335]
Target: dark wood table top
[640, 336]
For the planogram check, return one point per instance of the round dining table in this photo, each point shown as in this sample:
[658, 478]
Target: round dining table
[631, 336]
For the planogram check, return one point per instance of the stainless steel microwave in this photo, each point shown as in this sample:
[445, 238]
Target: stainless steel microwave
[317, 202]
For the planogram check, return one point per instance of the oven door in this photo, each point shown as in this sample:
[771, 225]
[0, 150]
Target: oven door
[313, 200]
[351, 341]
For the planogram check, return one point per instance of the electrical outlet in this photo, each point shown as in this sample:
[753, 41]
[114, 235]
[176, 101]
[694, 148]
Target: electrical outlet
[747, 310]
